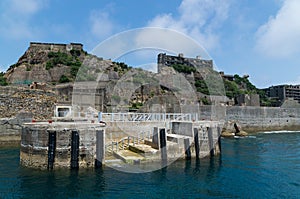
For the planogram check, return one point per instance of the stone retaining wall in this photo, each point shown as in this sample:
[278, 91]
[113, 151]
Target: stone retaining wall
[18, 99]
[254, 119]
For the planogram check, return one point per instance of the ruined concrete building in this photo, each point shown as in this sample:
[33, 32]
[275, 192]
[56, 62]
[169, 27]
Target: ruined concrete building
[56, 46]
[283, 92]
[164, 60]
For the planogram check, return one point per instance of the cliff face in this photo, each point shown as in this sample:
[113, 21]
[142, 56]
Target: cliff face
[45, 62]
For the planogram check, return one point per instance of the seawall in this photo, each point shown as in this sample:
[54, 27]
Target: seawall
[255, 119]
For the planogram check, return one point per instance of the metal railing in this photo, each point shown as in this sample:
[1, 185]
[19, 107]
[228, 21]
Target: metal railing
[129, 116]
[149, 117]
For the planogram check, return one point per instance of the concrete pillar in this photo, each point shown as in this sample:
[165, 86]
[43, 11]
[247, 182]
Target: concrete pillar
[99, 117]
[100, 148]
[211, 142]
[196, 141]
[163, 145]
[51, 148]
[155, 142]
[75, 149]
[219, 139]
[187, 149]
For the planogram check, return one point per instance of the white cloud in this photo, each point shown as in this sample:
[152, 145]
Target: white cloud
[15, 19]
[155, 39]
[199, 19]
[280, 36]
[101, 25]
[26, 7]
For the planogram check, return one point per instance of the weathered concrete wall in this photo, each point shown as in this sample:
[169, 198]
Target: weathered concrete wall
[255, 119]
[123, 129]
[10, 128]
[35, 142]
[182, 128]
[9, 132]
[51, 146]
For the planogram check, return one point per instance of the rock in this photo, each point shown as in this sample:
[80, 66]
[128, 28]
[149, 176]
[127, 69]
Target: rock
[242, 133]
[4, 121]
[233, 128]
[227, 134]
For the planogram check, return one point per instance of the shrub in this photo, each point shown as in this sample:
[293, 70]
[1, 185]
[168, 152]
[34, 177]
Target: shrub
[3, 79]
[49, 64]
[75, 52]
[184, 68]
[64, 79]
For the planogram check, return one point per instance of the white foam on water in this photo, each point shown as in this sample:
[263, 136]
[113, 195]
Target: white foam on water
[278, 132]
[243, 137]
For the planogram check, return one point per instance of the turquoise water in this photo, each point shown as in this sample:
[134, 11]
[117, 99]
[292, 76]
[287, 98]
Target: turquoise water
[264, 166]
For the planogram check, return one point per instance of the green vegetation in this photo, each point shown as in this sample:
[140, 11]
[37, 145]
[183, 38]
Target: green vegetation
[210, 84]
[245, 83]
[232, 89]
[266, 101]
[135, 106]
[72, 60]
[201, 87]
[75, 52]
[184, 68]
[56, 58]
[240, 85]
[121, 68]
[64, 79]
[205, 101]
[3, 79]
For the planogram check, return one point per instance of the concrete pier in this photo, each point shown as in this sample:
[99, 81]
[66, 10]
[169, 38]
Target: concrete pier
[83, 144]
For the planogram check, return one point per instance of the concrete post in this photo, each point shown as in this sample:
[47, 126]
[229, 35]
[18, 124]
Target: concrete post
[187, 149]
[211, 142]
[100, 148]
[51, 148]
[196, 141]
[155, 142]
[163, 144]
[75, 149]
[99, 117]
[219, 139]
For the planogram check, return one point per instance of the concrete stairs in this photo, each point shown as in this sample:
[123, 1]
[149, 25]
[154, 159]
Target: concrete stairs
[143, 151]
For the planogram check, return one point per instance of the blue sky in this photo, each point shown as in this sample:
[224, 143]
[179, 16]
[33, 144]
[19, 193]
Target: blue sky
[260, 38]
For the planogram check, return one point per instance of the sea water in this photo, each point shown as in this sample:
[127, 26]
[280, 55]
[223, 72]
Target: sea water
[266, 165]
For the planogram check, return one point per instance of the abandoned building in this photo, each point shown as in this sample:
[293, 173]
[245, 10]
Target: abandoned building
[283, 92]
[164, 60]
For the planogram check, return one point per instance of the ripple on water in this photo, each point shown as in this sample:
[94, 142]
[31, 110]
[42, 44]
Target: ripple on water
[267, 166]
